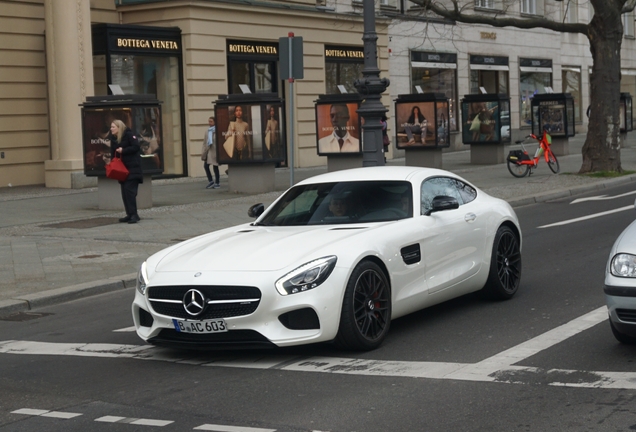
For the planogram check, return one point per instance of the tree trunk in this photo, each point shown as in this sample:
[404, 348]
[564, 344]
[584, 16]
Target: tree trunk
[601, 151]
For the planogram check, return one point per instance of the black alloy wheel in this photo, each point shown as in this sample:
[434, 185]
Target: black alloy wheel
[366, 309]
[505, 266]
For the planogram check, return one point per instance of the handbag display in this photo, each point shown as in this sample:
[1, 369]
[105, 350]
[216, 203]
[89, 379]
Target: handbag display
[116, 169]
[228, 146]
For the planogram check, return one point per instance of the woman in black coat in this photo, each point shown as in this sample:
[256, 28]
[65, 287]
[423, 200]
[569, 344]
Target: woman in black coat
[124, 144]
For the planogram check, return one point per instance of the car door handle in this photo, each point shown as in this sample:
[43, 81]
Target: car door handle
[470, 217]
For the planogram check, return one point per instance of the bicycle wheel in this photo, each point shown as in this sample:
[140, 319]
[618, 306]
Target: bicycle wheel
[553, 163]
[518, 170]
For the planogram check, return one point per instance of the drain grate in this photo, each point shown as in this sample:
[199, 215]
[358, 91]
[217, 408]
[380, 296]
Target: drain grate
[24, 316]
[85, 223]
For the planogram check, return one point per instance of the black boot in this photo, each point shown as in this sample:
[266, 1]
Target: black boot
[124, 219]
[134, 219]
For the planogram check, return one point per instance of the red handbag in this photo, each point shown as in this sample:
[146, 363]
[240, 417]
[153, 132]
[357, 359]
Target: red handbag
[116, 169]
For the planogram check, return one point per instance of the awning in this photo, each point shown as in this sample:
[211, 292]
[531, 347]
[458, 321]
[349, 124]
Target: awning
[571, 68]
[535, 69]
[489, 67]
[428, 65]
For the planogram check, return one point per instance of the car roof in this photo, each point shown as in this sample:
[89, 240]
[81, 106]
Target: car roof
[404, 173]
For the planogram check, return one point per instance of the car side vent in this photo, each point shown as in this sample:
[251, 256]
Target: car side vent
[411, 254]
[246, 231]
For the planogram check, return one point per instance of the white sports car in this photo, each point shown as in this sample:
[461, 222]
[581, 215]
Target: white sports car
[335, 258]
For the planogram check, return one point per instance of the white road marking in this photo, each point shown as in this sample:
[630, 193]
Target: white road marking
[29, 411]
[500, 367]
[222, 428]
[151, 422]
[61, 415]
[46, 413]
[125, 330]
[109, 419]
[592, 216]
[602, 197]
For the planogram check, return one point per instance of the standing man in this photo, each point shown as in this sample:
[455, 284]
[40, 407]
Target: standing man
[208, 155]
[340, 140]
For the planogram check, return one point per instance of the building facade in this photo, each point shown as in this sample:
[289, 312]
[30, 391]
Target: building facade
[188, 53]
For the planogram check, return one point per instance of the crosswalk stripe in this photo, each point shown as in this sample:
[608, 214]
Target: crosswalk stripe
[500, 367]
[223, 428]
[46, 413]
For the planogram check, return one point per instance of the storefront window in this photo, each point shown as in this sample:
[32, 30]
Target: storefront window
[343, 65]
[436, 73]
[571, 77]
[145, 60]
[141, 74]
[257, 76]
[534, 76]
[488, 73]
[252, 65]
[628, 82]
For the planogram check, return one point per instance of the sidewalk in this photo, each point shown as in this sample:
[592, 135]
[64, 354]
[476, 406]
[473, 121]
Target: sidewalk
[57, 245]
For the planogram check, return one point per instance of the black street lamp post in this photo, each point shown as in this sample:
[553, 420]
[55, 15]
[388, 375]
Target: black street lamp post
[371, 87]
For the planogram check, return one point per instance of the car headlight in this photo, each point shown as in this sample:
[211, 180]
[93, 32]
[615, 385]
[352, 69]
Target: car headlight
[307, 276]
[142, 278]
[623, 265]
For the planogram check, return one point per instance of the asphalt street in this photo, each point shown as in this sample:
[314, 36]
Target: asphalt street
[57, 245]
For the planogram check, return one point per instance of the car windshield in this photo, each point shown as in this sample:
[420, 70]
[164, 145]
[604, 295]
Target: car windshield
[342, 203]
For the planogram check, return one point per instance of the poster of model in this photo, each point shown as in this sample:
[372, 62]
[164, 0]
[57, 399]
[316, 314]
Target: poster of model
[480, 122]
[145, 123]
[250, 132]
[338, 128]
[416, 124]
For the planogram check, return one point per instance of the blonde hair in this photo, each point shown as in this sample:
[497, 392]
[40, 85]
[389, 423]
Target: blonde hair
[122, 128]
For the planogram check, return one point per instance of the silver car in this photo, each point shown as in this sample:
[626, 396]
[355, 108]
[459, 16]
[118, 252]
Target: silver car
[620, 286]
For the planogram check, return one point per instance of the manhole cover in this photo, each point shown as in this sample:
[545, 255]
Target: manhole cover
[85, 223]
[24, 316]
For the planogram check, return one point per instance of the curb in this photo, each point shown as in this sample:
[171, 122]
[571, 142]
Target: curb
[65, 294]
[564, 193]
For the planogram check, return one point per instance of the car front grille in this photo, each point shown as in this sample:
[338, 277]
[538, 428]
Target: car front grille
[222, 301]
[626, 315]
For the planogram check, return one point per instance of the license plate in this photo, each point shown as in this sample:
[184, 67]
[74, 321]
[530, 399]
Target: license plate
[210, 326]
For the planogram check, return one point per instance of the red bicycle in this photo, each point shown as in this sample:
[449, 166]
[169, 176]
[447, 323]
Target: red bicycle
[520, 164]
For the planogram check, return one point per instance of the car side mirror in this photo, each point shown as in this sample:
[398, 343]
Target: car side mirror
[443, 202]
[256, 210]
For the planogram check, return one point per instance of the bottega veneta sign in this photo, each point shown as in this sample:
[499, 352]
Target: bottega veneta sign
[147, 44]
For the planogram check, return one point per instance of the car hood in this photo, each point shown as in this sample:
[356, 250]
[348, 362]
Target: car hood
[255, 248]
[626, 242]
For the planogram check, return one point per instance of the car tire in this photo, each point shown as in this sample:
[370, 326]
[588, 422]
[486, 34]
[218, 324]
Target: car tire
[622, 337]
[366, 309]
[505, 266]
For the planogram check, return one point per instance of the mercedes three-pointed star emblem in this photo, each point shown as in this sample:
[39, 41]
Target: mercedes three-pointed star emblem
[194, 302]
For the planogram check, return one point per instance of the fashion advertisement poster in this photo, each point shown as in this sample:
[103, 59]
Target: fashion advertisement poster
[145, 123]
[338, 128]
[416, 124]
[551, 118]
[481, 122]
[250, 133]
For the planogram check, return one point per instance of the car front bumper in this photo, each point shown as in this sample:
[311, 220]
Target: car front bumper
[269, 325]
[621, 307]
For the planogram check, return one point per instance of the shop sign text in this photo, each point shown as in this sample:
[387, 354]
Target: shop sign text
[147, 43]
